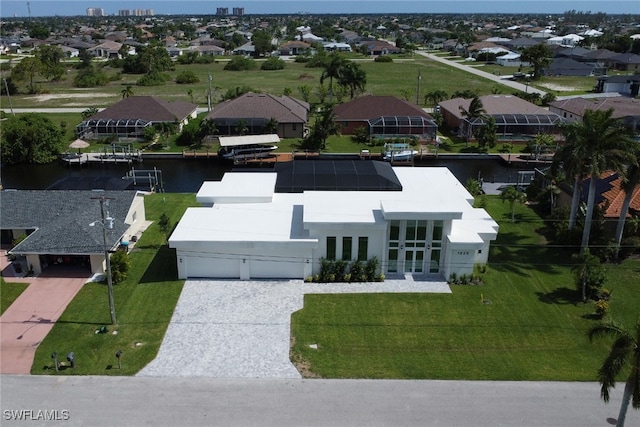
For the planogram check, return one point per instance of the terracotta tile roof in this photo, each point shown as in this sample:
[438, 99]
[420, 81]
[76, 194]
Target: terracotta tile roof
[371, 107]
[147, 108]
[615, 196]
[284, 109]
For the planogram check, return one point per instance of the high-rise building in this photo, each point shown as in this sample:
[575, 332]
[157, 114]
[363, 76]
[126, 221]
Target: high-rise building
[124, 12]
[95, 11]
[238, 11]
[148, 12]
[222, 11]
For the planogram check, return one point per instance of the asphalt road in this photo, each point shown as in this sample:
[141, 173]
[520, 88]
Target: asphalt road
[135, 401]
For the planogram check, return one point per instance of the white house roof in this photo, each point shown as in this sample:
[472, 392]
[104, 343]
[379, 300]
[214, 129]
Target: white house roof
[247, 211]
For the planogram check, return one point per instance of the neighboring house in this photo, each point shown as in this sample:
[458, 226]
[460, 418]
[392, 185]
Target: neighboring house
[254, 225]
[207, 49]
[568, 67]
[69, 52]
[256, 109]
[108, 49]
[511, 59]
[292, 48]
[625, 109]
[379, 47]
[335, 46]
[58, 230]
[385, 116]
[129, 117]
[625, 85]
[514, 116]
[567, 40]
[246, 49]
[628, 62]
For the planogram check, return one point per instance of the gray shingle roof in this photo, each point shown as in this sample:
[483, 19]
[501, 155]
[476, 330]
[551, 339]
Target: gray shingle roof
[62, 218]
[371, 107]
[284, 109]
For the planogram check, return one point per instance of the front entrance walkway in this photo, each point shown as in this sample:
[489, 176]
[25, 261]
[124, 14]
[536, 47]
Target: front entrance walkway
[29, 319]
[241, 329]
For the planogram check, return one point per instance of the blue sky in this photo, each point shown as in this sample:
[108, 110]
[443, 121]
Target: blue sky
[9, 8]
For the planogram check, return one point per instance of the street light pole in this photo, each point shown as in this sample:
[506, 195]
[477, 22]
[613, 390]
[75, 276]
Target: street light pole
[112, 307]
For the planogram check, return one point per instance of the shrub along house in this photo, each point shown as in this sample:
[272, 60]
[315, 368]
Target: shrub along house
[53, 227]
[280, 225]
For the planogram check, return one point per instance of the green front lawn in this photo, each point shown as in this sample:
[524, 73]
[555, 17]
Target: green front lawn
[530, 329]
[144, 305]
[9, 292]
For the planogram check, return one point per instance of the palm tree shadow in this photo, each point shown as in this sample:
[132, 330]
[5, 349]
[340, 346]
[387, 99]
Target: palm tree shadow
[559, 296]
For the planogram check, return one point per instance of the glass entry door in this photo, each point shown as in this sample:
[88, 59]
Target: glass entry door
[415, 246]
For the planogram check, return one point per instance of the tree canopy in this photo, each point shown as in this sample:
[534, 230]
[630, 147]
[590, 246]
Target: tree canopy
[30, 138]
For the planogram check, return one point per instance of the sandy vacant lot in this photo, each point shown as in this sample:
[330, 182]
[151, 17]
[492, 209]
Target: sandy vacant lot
[50, 96]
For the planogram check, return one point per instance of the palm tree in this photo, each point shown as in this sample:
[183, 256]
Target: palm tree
[572, 159]
[630, 181]
[587, 273]
[436, 97]
[625, 350]
[241, 127]
[270, 126]
[332, 70]
[126, 92]
[91, 111]
[513, 196]
[352, 76]
[605, 144]
[326, 125]
[475, 111]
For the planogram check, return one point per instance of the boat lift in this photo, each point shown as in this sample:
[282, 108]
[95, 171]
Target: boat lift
[152, 177]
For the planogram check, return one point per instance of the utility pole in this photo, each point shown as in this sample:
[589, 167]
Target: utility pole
[418, 91]
[107, 222]
[209, 95]
[6, 88]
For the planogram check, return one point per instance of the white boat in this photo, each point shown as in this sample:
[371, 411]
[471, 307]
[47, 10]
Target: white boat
[398, 153]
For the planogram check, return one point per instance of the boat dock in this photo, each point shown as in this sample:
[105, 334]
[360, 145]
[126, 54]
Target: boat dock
[84, 158]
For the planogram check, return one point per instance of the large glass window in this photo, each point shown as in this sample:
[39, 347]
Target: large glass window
[347, 244]
[331, 247]
[363, 248]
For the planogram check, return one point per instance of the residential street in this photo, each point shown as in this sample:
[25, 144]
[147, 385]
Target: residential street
[136, 401]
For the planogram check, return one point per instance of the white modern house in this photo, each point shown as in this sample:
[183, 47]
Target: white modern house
[255, 225]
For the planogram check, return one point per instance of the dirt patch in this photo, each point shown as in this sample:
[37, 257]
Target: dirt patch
[302, 365]
[51, 96]
[559, 88]
[305, 76]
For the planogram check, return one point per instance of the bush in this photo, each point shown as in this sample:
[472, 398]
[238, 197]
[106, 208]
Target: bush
[187, 77]
[240, 63]
[601, 308]
[383, 58]
[120, 265]
[629, 245]
[272, 63]
[90, 77]
[154, 78]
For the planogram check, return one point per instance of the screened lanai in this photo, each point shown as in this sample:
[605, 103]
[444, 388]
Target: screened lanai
[98, 128]
[516, 124]
[231, 125]
[403, 125]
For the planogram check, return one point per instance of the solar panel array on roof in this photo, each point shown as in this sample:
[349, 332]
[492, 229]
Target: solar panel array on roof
[335, 175]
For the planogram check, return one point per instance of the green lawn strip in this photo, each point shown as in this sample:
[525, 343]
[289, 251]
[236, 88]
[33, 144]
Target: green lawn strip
[144, 305]
[9, 292]
[524, 323]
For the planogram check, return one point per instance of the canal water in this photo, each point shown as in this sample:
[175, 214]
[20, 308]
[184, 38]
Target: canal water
[187, 175]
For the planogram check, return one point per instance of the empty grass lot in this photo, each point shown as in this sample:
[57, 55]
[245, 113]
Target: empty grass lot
[144, 305]
[530, 329]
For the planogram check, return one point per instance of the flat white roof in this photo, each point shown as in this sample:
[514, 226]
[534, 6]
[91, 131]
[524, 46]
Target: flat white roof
[232, 141]
[238, 188]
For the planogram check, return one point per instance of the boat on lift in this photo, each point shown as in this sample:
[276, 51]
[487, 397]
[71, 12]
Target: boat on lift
[247, 147]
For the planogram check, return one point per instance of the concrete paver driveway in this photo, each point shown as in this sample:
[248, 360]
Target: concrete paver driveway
[29, 319]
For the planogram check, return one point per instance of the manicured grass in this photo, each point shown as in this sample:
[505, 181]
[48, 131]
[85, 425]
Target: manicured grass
[531, 329]
[9, 292]
[144, 305]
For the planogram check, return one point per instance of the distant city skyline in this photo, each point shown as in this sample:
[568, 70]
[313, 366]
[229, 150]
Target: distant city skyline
[40, 8]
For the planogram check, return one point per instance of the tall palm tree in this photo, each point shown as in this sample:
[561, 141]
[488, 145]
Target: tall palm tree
[353, 77]
[625, 351]
[435, 96]
[606, 146]
[475, 111]
[332, 70]
[270, 126]
[572, 159]
[630, 181]
[326, 125]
